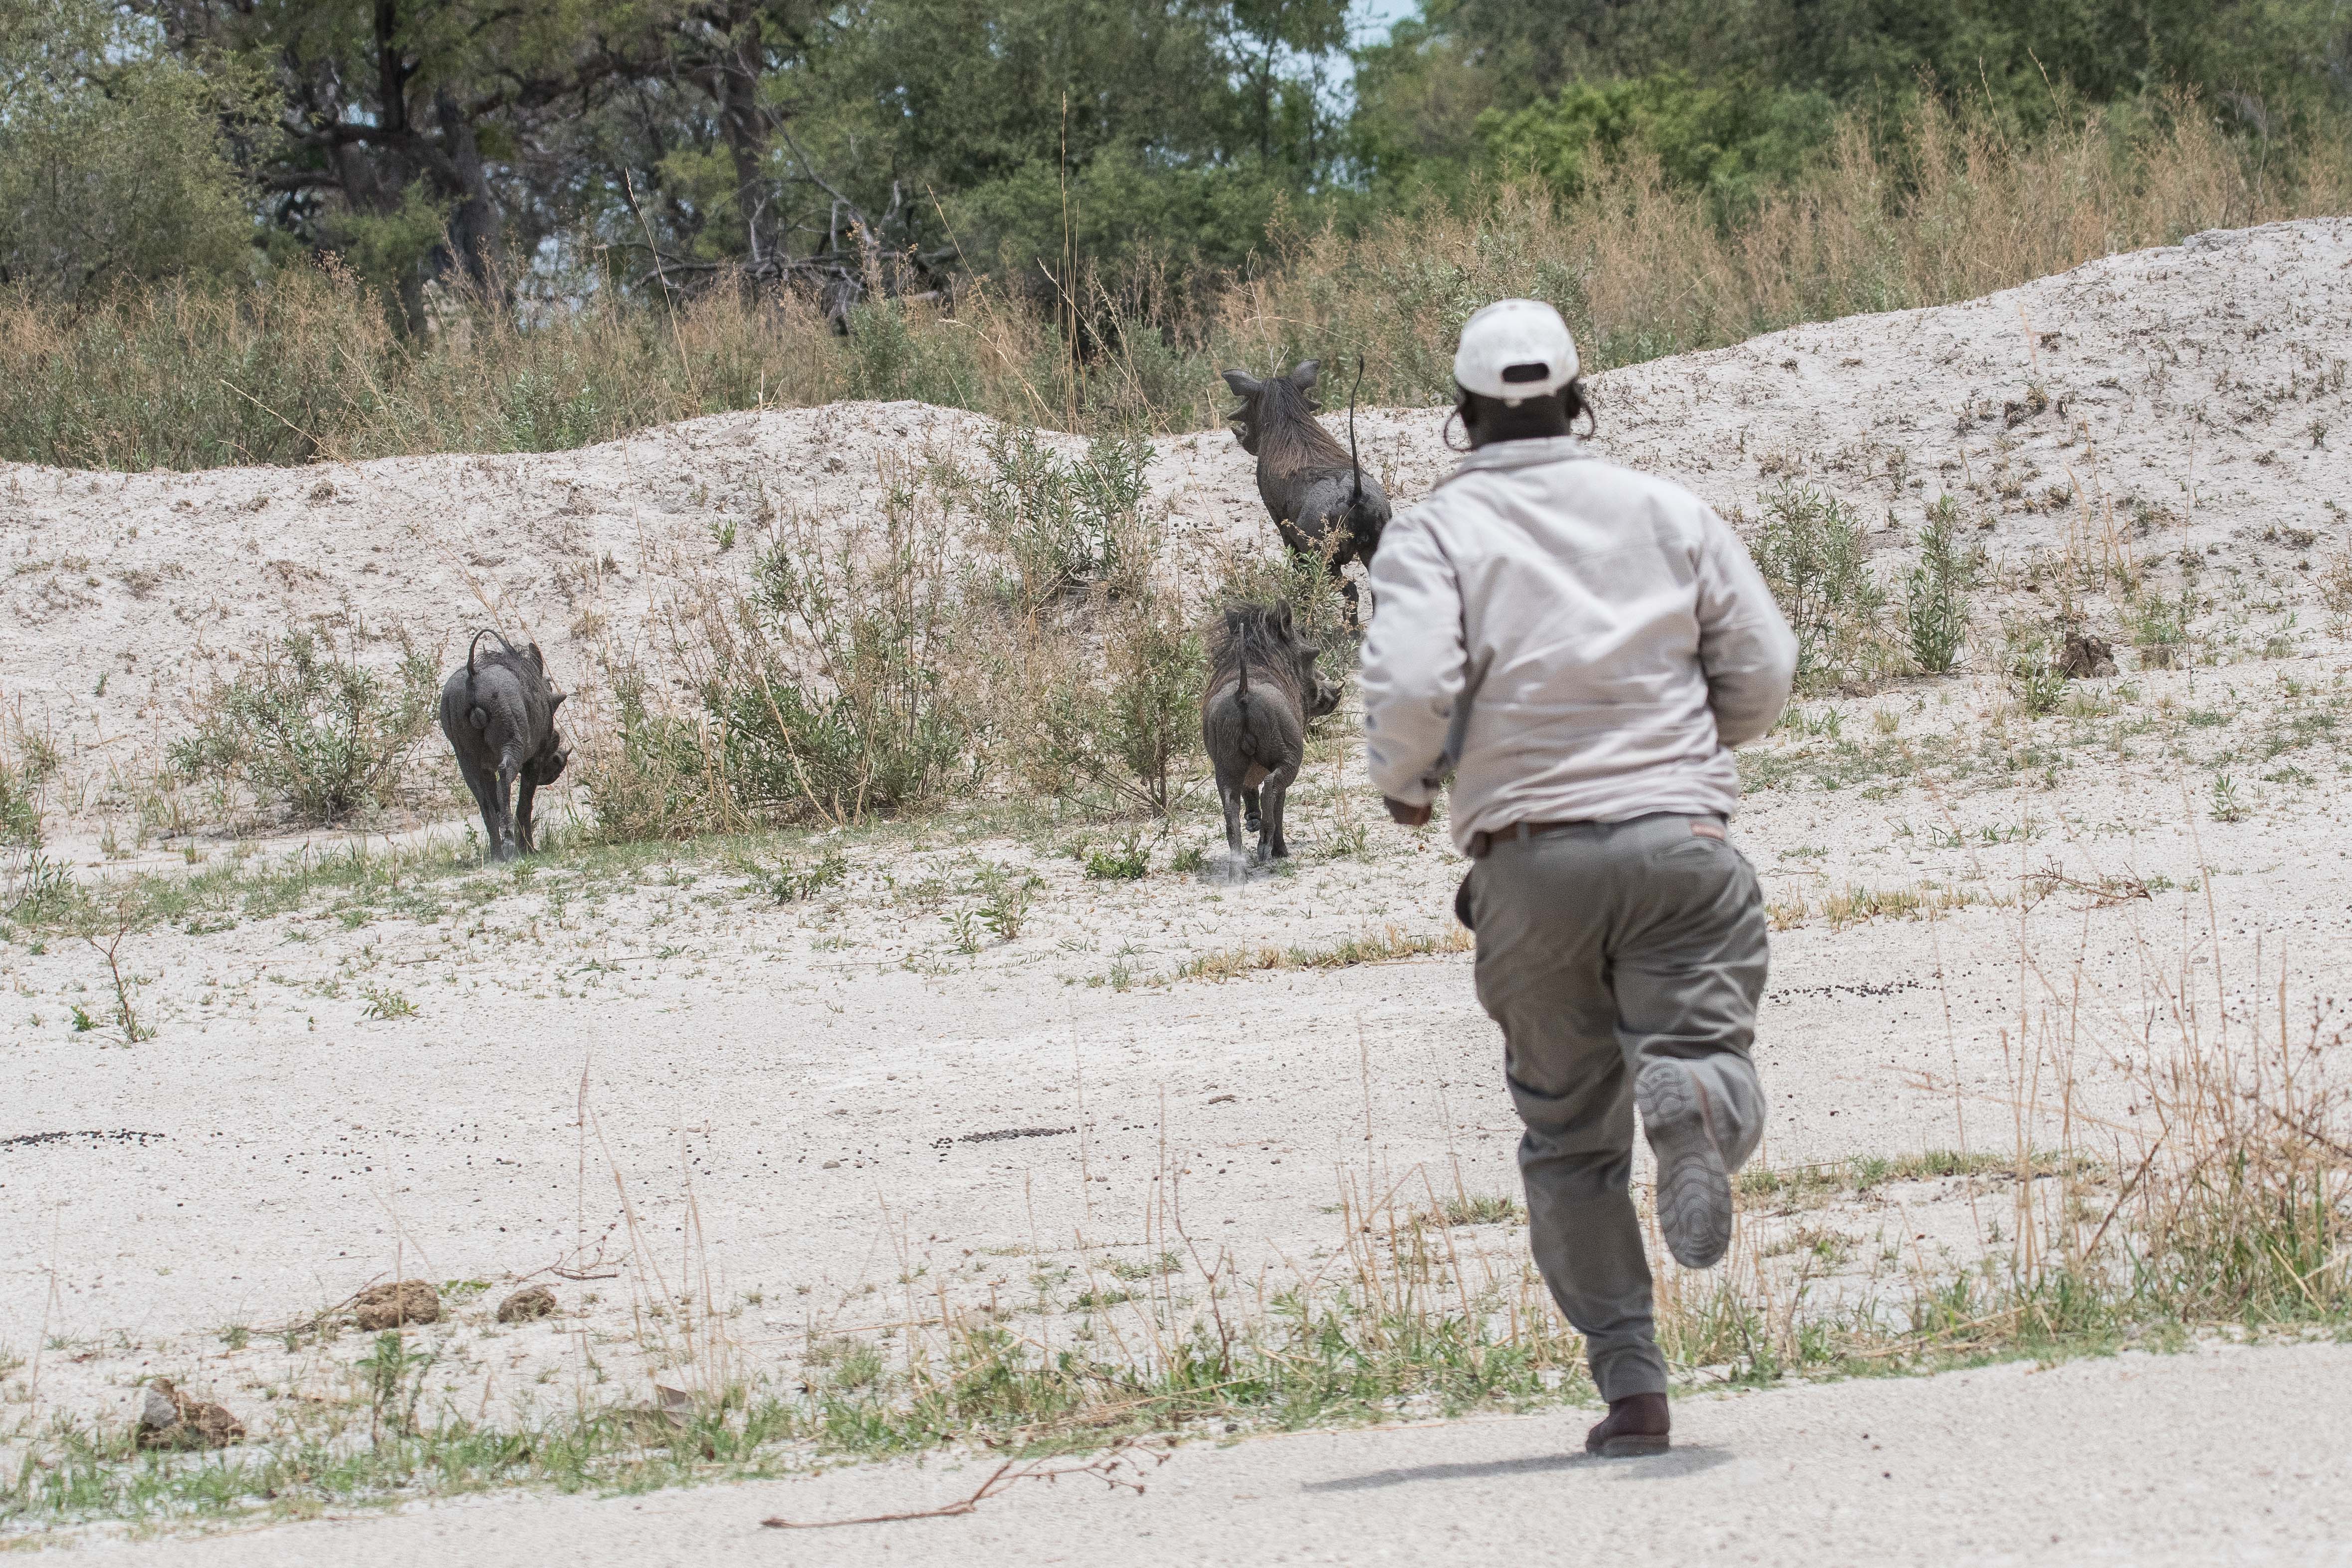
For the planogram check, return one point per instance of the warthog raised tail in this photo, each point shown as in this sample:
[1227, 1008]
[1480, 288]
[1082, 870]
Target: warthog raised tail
[1263, 688]
[499, 715]
[1322, 501]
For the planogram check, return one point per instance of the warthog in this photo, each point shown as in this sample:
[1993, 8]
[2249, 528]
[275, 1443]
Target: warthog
[1321, 500]
[499, 715]
[1263, 688]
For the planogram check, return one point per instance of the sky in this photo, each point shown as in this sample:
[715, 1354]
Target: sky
[1376, 16]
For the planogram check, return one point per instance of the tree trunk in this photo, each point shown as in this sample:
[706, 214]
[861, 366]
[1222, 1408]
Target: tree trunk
[474, 224]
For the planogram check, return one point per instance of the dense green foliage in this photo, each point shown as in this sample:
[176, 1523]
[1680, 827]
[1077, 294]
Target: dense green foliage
[912, 144]
[115, 154]
[1729, 87]
[272, 231]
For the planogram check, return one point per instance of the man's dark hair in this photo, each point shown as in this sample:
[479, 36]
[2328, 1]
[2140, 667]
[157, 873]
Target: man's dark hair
[1551, 414]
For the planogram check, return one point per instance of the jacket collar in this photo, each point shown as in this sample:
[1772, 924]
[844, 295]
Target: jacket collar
[1521, 455]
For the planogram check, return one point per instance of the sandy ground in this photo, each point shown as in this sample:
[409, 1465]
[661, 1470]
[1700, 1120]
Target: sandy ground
[2224, 1457]
[2170, 399]
[829, 1117]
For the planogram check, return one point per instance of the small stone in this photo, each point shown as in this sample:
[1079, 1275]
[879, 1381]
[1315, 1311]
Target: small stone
[832, 1165]
[159, 1410]
[395, 1306]
[169, 1419]
[526, 1306]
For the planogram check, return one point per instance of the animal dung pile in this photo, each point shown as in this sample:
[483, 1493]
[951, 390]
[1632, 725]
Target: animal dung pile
[397, 1306]
[2085, 657]
[169, 1419]
[527, 1305]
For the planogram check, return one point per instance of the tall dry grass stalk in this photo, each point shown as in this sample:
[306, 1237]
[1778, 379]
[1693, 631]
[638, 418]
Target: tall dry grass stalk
[304, 365]
[1947, 210]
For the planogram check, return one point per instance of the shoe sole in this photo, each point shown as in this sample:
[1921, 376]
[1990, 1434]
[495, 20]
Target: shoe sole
[1633, 1448]
[1693, 1197]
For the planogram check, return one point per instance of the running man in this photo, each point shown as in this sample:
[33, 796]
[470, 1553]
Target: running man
[1580, 645]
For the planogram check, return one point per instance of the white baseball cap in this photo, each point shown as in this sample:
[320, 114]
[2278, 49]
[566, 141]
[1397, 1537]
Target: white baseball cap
[1514, 350]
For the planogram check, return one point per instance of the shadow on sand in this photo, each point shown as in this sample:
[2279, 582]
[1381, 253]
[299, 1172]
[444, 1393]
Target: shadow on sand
[1673, 1464]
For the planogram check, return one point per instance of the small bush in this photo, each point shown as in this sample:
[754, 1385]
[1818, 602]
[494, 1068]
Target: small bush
[2029, 662]
[1005, 898]
[1119, 717]
[651, 775]
[839, 705]
[2159, 628]
[798, 884]
[2227, 806]
[1811, 551]
[321, 735]
[1127, 863]
[1936, 596]
[2334, 582]
[43, 888]
[20, 811]
[382, 1002]
[1061, 524]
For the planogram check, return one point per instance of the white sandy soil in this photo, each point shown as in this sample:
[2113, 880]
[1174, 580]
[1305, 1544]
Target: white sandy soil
[2226, 1456]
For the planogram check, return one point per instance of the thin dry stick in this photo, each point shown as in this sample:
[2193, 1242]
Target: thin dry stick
[1110, 1468]
[676, 341]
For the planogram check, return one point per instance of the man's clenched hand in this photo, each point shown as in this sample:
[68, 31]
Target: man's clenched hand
[1403, 815]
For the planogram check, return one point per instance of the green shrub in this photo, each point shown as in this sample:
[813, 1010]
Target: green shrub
[321, 735]
[2030, 661]
[840, 706]
[1005, 896]
[1121, 721]
[1061, 523]
[1127, 863]
[798, 884]
[1936, 596]
[1729, 142]
[651, 775]
[1811, 553]
[20, 811]
[2159, 628]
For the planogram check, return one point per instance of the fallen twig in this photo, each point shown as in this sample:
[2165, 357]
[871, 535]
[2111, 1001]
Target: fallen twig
[1113, 1469]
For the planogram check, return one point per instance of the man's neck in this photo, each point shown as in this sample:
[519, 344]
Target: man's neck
[1537, 426]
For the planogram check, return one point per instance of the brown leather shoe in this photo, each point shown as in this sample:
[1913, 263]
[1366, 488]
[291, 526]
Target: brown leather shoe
[1635, 1424]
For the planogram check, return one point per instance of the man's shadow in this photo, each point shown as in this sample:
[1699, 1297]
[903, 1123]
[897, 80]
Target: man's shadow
[1669, 1466]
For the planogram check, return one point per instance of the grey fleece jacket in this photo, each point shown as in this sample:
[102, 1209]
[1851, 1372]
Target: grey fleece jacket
[1573, 640]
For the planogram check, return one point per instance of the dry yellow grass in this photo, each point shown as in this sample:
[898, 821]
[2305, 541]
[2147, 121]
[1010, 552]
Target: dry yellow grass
[1373, 947]
[304, 365]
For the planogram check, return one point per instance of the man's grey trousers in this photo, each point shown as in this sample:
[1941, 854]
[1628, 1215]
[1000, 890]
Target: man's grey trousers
[1602, 947]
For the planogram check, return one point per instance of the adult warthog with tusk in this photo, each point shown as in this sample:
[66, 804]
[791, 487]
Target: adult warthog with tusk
[1322, 502]
[499, 715]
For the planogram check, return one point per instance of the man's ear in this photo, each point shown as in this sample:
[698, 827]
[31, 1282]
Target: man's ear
[1304, 377]
[1243, 384]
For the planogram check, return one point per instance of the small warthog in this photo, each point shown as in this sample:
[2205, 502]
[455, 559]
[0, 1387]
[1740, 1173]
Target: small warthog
[1321, 500]
[1263, 688]
[499, 715]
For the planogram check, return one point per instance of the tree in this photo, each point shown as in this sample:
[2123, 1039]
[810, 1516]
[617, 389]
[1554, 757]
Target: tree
[114, 154]
[428, 135]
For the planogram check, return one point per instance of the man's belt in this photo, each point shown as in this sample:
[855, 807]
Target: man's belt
[1482, 841]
